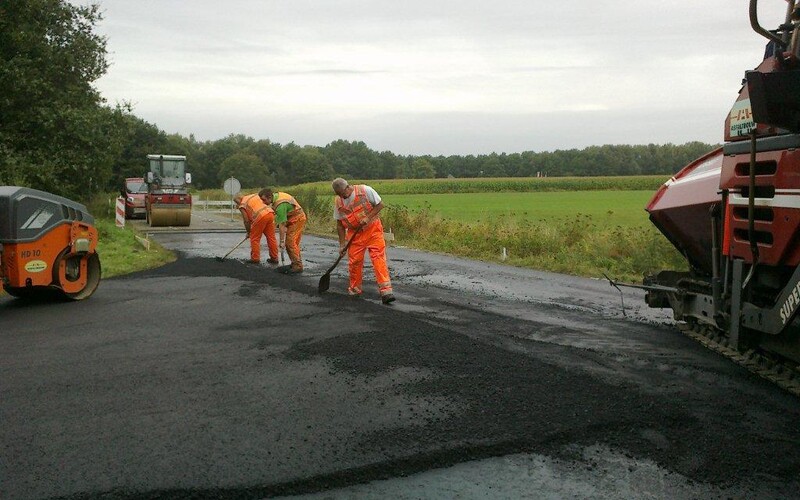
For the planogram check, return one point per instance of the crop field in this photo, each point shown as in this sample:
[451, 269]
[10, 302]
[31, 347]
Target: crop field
[606, 208]
[499, 185]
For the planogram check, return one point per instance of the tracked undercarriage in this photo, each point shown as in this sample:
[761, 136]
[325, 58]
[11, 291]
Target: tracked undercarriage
[783, 372]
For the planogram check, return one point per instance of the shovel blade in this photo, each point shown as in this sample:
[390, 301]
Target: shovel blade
[324, 282]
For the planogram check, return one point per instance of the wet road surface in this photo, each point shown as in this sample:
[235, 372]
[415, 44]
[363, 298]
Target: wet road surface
[228, 380]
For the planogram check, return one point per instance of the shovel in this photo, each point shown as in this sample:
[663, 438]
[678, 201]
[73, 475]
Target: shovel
[220, 259]
[325, 281]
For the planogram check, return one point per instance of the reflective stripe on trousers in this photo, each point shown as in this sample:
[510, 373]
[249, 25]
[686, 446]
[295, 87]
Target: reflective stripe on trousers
[369, 239]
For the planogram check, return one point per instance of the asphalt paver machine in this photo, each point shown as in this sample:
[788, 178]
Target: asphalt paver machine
[734, 214]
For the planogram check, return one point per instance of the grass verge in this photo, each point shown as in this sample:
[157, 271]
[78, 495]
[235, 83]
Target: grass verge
[120, 253]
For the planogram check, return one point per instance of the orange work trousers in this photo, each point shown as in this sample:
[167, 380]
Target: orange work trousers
[370, 238]
[263, 225]
[294, 233]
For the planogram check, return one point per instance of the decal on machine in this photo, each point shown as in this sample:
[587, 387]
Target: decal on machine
[788, 308]
[741, 118]
[36, 266]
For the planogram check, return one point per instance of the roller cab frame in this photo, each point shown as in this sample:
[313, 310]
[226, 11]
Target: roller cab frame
[47, 244]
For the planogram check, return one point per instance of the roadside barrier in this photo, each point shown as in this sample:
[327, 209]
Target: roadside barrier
[213, 205]
[120, 212]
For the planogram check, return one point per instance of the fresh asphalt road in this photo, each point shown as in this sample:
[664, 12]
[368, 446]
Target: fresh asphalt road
[226, 380]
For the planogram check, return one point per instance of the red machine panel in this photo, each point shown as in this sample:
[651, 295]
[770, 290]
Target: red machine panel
[777, 206]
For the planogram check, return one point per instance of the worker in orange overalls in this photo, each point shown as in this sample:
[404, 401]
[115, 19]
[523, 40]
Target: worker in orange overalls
[291, 220]
[259, 219]
[356, 212]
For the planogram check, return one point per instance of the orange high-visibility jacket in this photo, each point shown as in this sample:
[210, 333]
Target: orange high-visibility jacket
[357, 211]
[253, 206]
[279, 198]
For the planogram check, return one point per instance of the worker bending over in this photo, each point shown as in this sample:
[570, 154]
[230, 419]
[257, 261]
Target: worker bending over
[356, 210]
[291, 220]
[259, 219]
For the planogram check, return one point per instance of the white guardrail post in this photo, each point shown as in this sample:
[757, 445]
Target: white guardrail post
[213, 205]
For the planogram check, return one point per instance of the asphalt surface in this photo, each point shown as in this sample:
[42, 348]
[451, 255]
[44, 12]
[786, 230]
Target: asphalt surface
[227, 380]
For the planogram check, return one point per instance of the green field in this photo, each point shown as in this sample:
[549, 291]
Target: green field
[608, 208]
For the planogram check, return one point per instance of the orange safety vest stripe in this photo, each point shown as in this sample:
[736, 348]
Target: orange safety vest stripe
[357, 210]
[253, 206]
[285, 198]
[280, 198]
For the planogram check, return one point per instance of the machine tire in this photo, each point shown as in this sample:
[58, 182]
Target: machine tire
[93, 271]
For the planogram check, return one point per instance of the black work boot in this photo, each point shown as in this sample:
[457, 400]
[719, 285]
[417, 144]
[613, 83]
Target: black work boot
[387, 299]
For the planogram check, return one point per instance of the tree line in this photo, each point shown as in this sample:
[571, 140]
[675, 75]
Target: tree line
[59, 135]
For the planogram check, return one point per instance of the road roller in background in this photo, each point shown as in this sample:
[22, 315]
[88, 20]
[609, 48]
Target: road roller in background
[734, 214]
[168, 202]
[48, 245]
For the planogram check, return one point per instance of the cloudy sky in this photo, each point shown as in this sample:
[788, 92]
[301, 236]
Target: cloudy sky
[434, 76]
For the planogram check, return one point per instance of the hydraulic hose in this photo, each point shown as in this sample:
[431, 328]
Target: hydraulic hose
[751, 209]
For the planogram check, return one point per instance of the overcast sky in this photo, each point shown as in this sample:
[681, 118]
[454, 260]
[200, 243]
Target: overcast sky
[433, 76]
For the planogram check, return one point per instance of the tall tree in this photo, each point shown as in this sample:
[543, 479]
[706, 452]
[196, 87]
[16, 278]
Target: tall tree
[141, 139]
[55, 133]
[422, 168]
[247, 168]
[310, 165]
[352, 159]
[271, 156]
[206, 167]
[390, 165]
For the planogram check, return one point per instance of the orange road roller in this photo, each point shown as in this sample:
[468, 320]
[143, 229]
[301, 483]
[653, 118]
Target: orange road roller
[48, 245]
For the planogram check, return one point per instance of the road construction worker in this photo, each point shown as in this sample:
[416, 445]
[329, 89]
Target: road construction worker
[259, 219]
[356, 210]
[291, 220]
